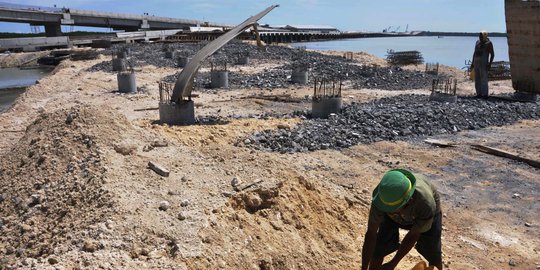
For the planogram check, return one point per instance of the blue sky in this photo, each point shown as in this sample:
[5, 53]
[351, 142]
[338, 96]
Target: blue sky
[347, 15]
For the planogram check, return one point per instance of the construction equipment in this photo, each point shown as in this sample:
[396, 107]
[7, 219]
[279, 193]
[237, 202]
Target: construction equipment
[258, 37]
[180, 109]
[184, 84]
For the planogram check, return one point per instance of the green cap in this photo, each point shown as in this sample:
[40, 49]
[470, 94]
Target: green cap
[395, 189]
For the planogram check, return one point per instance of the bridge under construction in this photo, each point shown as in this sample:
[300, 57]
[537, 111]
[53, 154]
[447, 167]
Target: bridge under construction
[53, 18]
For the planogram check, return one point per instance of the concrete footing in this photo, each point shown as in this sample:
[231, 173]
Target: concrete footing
[118, 64]
[299, 76]
[126, 82]
[122, 54]
[324, 106]
[177, 113]
[219, 79]
[442, 97]
[525, 96]
[183, 60]
[242, 60]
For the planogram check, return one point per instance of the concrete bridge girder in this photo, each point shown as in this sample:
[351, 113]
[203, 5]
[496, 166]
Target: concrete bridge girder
[26, 17]
[37, 16]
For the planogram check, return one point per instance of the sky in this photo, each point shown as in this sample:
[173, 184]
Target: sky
[346, 15]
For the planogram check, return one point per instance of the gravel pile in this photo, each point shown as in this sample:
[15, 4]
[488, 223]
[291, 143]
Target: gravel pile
[320, 66]
[367, 77]
[154, 54]
[399, 117]
[362, 76]
[269, 79]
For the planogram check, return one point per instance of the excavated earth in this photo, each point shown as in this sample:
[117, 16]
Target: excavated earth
[256, 183]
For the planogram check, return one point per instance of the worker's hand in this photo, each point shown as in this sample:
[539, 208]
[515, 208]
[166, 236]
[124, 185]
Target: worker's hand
[388, 266]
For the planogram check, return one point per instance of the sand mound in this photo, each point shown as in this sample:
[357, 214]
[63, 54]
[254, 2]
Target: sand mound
[52, 193]
[296, 225]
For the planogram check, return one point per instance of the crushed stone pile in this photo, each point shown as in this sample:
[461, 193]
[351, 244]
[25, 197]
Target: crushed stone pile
[51, 185]
[400, 117]
[362, 76]
[319, 66]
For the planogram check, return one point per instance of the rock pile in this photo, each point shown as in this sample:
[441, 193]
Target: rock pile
[399, 117]
[320, 66]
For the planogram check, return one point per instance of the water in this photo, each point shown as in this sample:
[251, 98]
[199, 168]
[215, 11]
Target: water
[15, 77]
[13, 82]
[451, 51]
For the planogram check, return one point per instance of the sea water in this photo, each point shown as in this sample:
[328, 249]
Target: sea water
[450, 51]
[13, 82]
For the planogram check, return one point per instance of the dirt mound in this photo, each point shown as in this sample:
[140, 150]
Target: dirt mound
[296, 225]
[51, 192]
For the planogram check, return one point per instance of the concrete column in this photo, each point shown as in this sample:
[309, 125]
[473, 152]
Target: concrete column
[126, 82]
[299, 76]
[183, 61]
[53, 30]
[219, 79]
[119, 64]
[242, 60]
[323, 107]
[144, 24]
[182, 113]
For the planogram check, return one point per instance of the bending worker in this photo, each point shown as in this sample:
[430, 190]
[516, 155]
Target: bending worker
[407, 201]
[482, 51]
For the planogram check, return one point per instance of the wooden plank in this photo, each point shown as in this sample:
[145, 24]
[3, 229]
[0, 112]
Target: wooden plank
[12, 131]
[146, 109]
[505, 154]
[244, 187]
[440, 143]
[158, 169]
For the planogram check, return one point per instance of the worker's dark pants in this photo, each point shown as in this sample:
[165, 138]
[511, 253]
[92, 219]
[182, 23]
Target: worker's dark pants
[481, 77]
[428, 245]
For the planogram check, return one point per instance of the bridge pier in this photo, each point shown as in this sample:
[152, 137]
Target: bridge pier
[53, 30]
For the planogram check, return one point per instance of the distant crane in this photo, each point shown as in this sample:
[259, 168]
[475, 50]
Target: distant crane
[397, 29]
[407, 29]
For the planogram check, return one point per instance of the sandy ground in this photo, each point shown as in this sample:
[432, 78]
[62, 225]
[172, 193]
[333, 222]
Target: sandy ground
[309, 211]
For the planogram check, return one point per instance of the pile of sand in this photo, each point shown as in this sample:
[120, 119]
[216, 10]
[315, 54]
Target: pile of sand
[296, 225]
[51, 184]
